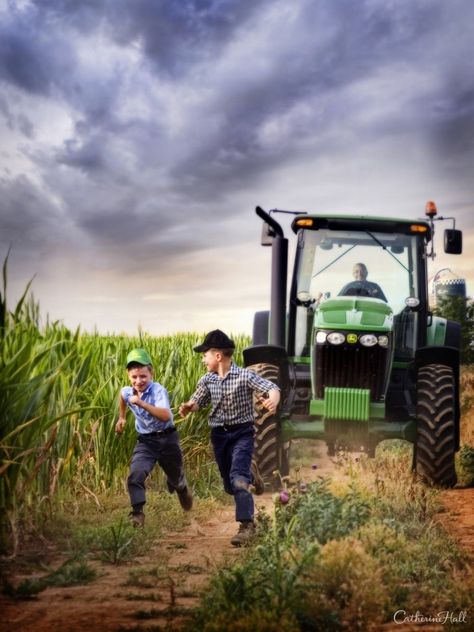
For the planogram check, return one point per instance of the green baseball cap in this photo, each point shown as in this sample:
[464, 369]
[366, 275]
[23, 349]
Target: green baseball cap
[140, 356]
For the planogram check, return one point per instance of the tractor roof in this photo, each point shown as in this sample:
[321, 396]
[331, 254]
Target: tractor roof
[363, 223]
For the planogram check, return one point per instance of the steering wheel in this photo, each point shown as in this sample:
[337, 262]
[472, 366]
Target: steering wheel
[363, 288]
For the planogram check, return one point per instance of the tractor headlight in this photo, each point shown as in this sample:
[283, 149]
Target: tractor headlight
[321, 337]
[383, 341]
[336, 338]
[368, 340]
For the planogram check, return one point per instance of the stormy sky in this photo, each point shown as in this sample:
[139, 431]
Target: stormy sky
[137, 137]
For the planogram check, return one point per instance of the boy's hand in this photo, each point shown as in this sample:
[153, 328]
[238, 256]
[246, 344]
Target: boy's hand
[270, 400]
[120, 425]
[135, 399]
[269, 405]
[187, 407]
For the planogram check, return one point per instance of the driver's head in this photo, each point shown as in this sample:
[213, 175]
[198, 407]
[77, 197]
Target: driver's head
[359, 272]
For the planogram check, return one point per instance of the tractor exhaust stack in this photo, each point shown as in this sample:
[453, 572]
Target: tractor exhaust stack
[272, 235]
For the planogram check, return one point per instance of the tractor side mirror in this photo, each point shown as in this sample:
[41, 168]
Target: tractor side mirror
[453, 241]
[267, 235]
[397, 250]
[326, 244]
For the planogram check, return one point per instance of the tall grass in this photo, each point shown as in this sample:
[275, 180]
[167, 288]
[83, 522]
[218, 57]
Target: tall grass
[58, 401]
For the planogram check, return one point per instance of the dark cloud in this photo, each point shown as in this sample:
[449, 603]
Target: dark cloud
[29, 57]
[326, 48]
[173, 34]
[173, 115]
[30, 220]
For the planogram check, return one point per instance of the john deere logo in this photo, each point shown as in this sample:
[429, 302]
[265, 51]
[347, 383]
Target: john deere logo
[352, 338]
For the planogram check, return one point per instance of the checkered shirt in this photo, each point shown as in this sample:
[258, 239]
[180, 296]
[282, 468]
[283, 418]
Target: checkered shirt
[230, 397]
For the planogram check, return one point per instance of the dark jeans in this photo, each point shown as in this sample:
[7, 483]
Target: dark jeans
[233, 449]
[162, 449]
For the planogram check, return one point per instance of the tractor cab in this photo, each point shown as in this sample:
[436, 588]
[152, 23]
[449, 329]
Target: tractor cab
[364, 280]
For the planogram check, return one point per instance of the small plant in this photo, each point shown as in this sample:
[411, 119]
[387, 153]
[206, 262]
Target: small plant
[322, 515]
[190, 569]
[71, 573]
[114, 543]
[465, 462]
[143, 577]
[177, 545]
[142, 597]
[27, 589]
[347, 582]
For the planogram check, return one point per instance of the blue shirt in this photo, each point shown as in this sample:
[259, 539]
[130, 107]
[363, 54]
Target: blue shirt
[230, 397]
[156, 395]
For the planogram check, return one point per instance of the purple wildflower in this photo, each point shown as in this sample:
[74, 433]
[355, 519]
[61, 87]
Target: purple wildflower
[284, 497]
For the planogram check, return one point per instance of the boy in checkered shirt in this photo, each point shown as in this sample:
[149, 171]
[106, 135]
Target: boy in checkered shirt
[228, 389]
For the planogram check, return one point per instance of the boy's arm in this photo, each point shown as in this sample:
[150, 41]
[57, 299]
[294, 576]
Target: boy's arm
[272, 400]
[269, 390]
[119, 426]
[188, 407]
[200, 398]
[163, 413]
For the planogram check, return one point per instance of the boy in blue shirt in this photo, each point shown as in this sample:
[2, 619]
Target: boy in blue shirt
[228, 389]
[157, 439]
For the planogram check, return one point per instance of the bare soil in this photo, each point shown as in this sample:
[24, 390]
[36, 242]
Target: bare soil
[114, 603]
[119, 600]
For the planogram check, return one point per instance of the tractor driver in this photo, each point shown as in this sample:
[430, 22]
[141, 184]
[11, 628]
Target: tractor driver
[360, 286]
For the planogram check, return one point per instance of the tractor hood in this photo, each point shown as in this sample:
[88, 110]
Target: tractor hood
[355, 313]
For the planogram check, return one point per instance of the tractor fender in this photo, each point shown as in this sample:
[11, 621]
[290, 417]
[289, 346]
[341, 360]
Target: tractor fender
[448, 356]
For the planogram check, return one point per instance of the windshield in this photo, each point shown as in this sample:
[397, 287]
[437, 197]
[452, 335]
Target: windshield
[349, 263]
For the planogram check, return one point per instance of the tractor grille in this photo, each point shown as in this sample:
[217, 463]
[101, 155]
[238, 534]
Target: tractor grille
[351, 366]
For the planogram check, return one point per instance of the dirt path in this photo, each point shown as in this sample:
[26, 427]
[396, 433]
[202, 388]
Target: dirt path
[153, 590]
[459, 517]
[159, 589]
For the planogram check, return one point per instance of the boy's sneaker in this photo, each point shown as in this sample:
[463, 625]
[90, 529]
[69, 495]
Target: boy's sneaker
[185, 499]
[137, 518]
[244, 534]
[257, 479]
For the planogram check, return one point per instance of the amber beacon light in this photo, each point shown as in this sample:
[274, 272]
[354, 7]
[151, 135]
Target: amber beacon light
[430, 209]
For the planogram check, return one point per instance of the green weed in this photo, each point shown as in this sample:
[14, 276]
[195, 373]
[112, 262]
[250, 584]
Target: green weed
[323, 516]
[145, 577]
[143, 597]
[114, 543]
[71, 573]
[465, 465]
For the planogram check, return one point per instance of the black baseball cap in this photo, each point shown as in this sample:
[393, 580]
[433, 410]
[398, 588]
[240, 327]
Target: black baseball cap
[215, 339]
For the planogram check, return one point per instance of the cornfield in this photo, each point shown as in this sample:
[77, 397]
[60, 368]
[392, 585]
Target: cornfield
[58, 401]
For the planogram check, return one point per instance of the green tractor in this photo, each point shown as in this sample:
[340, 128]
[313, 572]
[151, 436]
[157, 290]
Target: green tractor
[358, 360]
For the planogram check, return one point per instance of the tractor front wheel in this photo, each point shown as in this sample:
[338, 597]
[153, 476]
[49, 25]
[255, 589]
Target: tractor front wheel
[270, 454]
[436, 430]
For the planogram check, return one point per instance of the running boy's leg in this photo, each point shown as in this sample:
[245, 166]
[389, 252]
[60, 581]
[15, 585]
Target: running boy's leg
[240, 473]
[170, 459]
[143, 461]
[222, 445]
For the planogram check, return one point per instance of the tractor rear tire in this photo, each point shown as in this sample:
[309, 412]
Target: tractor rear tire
[435, 445]
[270, 454]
